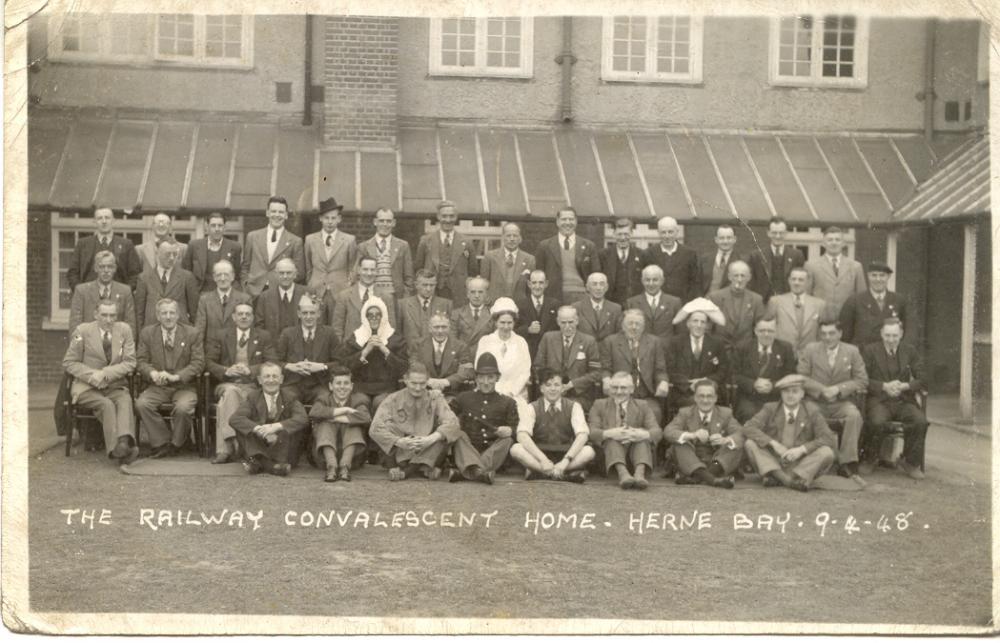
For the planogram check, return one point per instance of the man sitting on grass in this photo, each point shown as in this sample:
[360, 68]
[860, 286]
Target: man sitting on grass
[707, 441]
[268, 425]
[339, 420]
[627, 431]
[552, 436]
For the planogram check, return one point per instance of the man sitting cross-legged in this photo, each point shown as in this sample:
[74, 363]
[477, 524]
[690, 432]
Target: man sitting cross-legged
[339, 420]
[627, 431]
[552, 436]
[707, 441]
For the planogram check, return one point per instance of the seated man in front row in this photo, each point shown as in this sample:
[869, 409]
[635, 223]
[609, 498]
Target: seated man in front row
[552, 436]
[627, 431]
[788, 442]
[707, 441]
[269, 425]
[339, 421]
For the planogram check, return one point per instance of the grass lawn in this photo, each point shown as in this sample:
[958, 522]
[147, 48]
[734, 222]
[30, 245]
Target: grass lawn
[934, 575]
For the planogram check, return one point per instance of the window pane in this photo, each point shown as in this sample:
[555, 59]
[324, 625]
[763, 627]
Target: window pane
[449, 58]
[829, 71]
[494, 59]
[802, 69]
[64, 297]
[467, 59]
[67, 240]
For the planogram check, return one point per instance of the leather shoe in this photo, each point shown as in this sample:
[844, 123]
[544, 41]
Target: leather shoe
[253, 465]
[626, 482]
[771, 481]
[683, 479]
[121, 449]
[281, 469]
[331, 475]
[222, 458]
[454, 475]
[576, 477]
[723, 483]
[799, 485]
[131, 456]
[345, 474]
[167, 450]
[486, 477]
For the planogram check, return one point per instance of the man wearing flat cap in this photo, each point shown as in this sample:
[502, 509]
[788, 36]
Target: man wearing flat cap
[788, 442]
[330, 253]
[862, 315]
[448, 254]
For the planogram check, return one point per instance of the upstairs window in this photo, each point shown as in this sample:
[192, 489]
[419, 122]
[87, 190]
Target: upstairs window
[821, 51]
[203, 40]
[481, 47]
[652, 49]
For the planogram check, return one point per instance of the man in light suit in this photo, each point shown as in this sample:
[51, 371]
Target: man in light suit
[682, 277]
[267, 246]
[127, 262]
[343, 312]
[307, 351]
[741, 307]
[393, 259]
[88, 295]
[834, 277]
[796, 313]
[658, 308]
[448, 254]
[640, 354]
[415, 312]
[772, 264]
[472, 320]
[536, 311]
[835, 373]
[277, 308]
[713, 267]
[447, 358]
[574, 355]
[166, 280]
[599, 317]
[627, 432]
[507, 268]
[567, 260]
[707, 441]
[622, 264]
[203, 254]
[100, 356]
[330, 253]
[862, 315]
[215, 307]
[162, 228]
[170, 357]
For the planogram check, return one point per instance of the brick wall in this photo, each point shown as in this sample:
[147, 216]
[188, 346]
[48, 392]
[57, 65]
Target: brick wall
[45, 348]
[361, 80]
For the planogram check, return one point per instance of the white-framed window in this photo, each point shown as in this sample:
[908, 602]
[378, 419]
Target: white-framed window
[484, 235]
[481, 47]
[809, 240]
[644, 235]
[652, 48]
[180, 39]
[820, 51]
[983, 60]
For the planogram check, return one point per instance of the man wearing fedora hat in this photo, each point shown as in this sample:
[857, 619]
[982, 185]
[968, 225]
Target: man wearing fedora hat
[862, 315]
[448, 254]
[330, 253]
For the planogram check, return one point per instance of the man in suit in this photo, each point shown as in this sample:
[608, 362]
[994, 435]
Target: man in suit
[627, 432]
[835, 373]
[797, 313]
[472, 320]
[307, 351]
[216, 307]
[758, 364]
[447, 358]
[203, 254]
[393, 259]
[166, 280]
[713, 267]
[87, 295]
[834, 277]
[598, 317]
[707, 441]
[895, 376]
[343, 312]
[170, 357]
[862, 315]
[567, 260]
[507, 268]
[638, 353]
[536, 311]
[277, 308]
[100, 356]
[658, 308]
[330, 253]
[82, 267]
[682, 277]
[692, 357]
[269, 425]
[448, 254]
[572, 354]
[234, 355]
[741, 307]
[771, 265]
[415, 312]
[622, 264]
[788, 442]
[162, 228]
[267, 246]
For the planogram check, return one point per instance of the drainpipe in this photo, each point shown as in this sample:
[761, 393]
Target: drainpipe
[307, 117]
[927, 94]
[566, 59]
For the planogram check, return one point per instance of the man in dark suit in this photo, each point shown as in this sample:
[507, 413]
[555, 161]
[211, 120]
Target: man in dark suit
[277, 308]
[536, 312]
[202, 254]
[170, 357]
[707, 441]
[307, 351]
[507, 268]
[758, 364]
[215, 307]
[567, 260]
[658, 308]
[472, 320]
[714, 266]
[415, 312]
[573, 355]
[87, 295]
[598, 317]
[772, 264]
[234, 355]
[638, 353]
[343, 311]
[128, 267]
[166, 280]
[447, 358]
[694, 356]
[862, 315]
[448, 254]
[622, 264]
[895, 376]
[269, 425]
[265, 247]
[679, 264]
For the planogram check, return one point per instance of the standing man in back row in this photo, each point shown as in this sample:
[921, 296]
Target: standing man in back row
[448, 254]
[567, 260]
[203, 254]
[507, 268]
[834, 277]
[267, 246]
[83, 268]
[681, 276]
[714, 266]
[330, 253]
[622, 264]
[772, 263]
[393, 259]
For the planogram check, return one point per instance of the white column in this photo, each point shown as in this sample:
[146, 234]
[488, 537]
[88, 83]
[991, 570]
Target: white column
[891, 241]
[968, 313]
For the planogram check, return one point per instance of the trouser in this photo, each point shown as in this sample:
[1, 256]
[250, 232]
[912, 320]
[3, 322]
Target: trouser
[113, 409]
[635, 454]
[284, 451]
[184, 399]
[691, 457]
[492, 457]
[230, 396]
[847, 413]
[432, 456]
[337, 436]
[807, 467]
[914, 422]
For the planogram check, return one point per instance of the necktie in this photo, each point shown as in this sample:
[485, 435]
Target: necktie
[565, 243]
[788, 433]
[105, 292]
[244, 338]
[274, 236]
[776, 251]
[510, 259]
[104, 243]
[550, 408]
[621, 414]
[309, 337]
[538, 305]
[722, 259]
[329, 240]
[169, 344]
[286, 297]
[106, 343]
[438, 352]
[365, 297]
[765, 360]
[880, 300]
[597, 308]
[621, 256]
[225, 300]
[475, 314]
[163, 280]
[704, 420]
[634, 347]
[381, 246]
[799, 311]
[426, 304]
[790, 419]
[697, 348]
[272, 408]
[831, 357]
[654, 303]
[836, 266]
[447, 242]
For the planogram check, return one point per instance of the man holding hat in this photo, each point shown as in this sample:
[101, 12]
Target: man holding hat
[788, 442]
[448, 254]
[862, 314]
[330, 253]
[695, 355]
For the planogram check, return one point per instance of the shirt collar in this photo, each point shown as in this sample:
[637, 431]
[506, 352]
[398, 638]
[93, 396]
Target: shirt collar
[214, 245]
[283, 291]
[794, 412]
[551, 405]
[671, 250]
[705, 417]
[306, 331]
[326, 234]
[445, 235]
[362, 288]
[562, 239]
[440, 343]
[223, 294]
